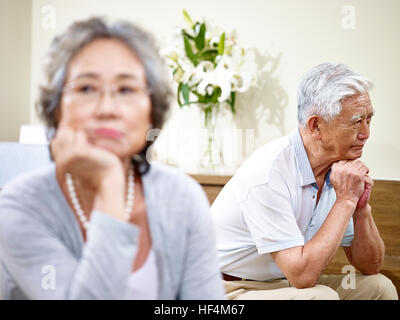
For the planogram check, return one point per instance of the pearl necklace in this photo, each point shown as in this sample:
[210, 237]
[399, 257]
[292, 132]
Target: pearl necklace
[78, 208]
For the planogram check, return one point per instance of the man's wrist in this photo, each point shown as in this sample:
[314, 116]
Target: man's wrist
[362, 212]
[351, 204]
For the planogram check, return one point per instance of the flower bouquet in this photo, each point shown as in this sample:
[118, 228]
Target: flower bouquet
[209, 69]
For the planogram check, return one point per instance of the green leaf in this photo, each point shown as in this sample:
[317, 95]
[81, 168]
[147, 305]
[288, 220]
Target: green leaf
[189, 51]
[178, 94]
[232, 102]
[185, 93]
[201, 37]
[221, 44]
[216, 94]
[187, 18]
[184, 32]
[208, 55]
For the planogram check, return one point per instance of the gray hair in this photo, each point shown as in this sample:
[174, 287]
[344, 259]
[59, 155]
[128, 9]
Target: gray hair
[65, 46]
[324, 87]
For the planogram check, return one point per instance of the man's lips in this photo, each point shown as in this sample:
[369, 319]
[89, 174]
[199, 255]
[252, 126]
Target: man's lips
[108, 133]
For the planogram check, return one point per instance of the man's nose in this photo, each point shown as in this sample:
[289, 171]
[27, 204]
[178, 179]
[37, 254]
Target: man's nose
[364, 131]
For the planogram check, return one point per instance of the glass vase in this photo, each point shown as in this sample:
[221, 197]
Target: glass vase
[212, 155]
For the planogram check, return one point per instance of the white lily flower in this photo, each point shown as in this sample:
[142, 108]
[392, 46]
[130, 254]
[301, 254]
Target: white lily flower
[233, 71]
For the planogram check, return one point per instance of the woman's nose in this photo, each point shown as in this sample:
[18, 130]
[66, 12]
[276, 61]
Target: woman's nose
[107, 104]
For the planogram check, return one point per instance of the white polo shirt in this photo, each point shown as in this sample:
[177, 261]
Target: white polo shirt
[270, 205]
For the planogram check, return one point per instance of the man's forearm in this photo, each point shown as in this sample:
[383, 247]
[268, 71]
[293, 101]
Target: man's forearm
[367, 248]
[320, 250]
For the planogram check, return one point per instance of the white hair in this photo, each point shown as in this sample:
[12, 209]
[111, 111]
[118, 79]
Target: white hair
[323, 88]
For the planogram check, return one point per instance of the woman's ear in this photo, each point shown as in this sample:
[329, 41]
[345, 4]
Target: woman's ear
[314, 126]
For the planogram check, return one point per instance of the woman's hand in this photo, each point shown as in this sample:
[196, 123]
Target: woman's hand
[98, 169]
[74, 154]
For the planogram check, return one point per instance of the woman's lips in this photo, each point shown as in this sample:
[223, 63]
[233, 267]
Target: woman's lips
[108, 133]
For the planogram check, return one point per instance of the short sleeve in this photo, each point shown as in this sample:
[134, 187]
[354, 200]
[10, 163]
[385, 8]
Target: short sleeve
[348, 235]
[269, 215]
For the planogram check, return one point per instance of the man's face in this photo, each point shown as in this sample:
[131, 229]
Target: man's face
[345, 136]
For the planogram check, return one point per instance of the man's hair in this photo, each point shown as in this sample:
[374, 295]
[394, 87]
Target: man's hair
[323, 88]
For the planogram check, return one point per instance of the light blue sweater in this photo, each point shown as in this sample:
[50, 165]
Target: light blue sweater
[39, 233]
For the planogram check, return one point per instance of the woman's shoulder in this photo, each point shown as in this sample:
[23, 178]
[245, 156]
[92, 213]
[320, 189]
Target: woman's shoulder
[162, 173]
[173, 182]
[32, 186]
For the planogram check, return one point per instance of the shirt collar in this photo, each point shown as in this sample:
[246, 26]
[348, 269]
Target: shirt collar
[303, 164]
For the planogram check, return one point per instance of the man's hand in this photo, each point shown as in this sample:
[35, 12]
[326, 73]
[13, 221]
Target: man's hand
[349, 178]
[369, 183]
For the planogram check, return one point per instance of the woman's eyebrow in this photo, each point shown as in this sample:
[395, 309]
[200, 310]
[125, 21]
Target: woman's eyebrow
[87, 75]
[127, 76]
[94, 75]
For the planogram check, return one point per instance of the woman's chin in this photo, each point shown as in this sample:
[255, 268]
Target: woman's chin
[106, 145]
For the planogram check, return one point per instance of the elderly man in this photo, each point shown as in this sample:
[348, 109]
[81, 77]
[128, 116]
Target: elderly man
[296, 200]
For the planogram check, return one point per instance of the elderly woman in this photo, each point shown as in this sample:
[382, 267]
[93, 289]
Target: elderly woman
[102, 222]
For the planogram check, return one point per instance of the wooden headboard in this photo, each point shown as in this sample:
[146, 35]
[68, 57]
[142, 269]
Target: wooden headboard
[385, 203]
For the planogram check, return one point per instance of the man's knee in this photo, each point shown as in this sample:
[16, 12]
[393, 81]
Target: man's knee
[321, 292]
[378, 287]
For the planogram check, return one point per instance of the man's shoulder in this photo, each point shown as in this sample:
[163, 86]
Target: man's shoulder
[265, 165]
[266, 159]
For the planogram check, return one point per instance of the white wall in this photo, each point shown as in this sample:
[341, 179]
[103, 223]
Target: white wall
[295, 34]
[15, 27]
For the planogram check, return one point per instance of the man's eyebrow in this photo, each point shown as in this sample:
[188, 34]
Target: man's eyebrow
[360, 116]
[356, 117]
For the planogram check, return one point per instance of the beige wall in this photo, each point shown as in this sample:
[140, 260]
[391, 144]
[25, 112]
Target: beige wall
[15, 55]
[290, 36]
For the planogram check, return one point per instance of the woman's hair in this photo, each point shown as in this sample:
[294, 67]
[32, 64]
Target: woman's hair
[323, 88]
[65, 46]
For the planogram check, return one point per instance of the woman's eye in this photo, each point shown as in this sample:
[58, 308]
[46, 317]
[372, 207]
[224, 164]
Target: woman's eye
[86, 89]
[126, 90]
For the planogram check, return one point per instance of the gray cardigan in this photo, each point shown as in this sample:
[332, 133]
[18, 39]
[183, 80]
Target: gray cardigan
[40, 241]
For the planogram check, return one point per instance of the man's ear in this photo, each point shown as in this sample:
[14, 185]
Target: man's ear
[314, 126]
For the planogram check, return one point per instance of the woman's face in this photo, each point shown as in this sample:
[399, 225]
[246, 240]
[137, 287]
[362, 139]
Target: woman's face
[106, 96]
